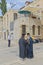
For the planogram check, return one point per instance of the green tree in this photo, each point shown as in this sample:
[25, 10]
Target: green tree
[3, 6]
[0, 5]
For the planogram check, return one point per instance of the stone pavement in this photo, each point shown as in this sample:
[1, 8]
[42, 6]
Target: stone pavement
[10, 56]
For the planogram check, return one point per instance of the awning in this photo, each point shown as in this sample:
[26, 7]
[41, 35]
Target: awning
[24, 12]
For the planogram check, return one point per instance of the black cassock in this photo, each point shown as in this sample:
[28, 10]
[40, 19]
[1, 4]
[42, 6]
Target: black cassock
[22, 48]
[30, 49]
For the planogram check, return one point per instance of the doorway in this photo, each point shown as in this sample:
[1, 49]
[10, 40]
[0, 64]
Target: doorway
[23, 29]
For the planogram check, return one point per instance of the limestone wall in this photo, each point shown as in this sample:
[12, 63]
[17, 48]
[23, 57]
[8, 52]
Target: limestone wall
[29, 22]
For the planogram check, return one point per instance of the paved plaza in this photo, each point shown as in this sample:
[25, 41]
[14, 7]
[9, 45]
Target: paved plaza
[10, 56]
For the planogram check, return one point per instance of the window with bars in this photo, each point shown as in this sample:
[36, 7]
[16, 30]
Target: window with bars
[23, 29]
[15, 16]
[38, 30]
[11, 26]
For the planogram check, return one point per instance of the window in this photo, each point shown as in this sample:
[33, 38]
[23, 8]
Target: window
[39, 18]
[38, 5]
[11, 26]
[23, 29]
[33, 29]
[15, 16]
[38, 30]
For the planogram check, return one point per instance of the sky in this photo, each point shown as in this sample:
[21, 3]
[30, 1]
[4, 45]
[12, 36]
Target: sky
[19, 4]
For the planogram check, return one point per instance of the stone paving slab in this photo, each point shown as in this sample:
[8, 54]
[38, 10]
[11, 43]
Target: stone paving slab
[10, 56]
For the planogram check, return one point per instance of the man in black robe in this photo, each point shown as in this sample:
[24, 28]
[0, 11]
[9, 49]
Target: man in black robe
[29, 46]
[22, 47]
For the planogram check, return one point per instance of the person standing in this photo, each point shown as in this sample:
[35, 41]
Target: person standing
[22, 47]
[29, 46]
[9, 40]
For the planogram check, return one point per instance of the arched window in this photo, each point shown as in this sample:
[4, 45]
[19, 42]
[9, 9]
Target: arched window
[11, 26]
[38, 30]
[15, 16]
[33, 29]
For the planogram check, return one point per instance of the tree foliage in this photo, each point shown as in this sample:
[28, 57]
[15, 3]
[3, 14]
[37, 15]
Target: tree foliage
[3, 6]
[0, 5]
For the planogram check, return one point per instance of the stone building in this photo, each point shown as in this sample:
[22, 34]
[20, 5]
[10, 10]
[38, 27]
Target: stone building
[8, 20]
[16, 24]
[36, 7]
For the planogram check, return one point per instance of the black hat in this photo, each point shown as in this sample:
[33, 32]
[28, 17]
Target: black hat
[28, 33]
